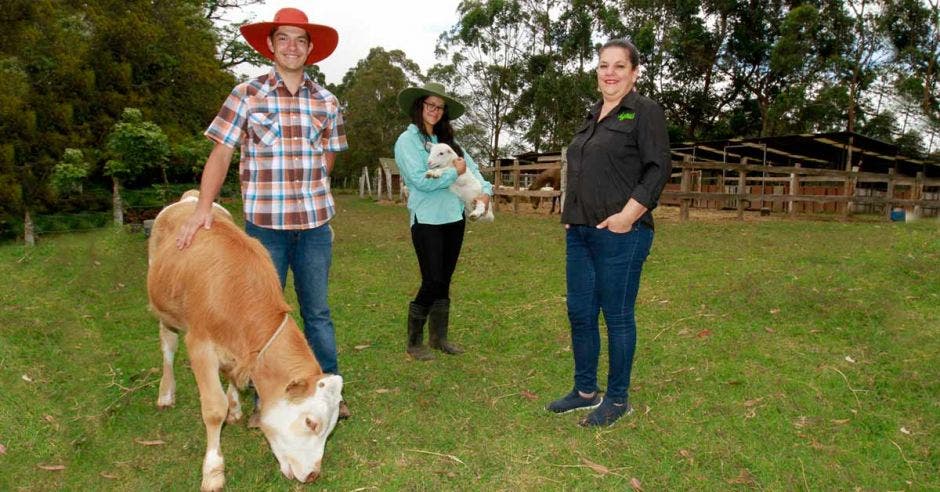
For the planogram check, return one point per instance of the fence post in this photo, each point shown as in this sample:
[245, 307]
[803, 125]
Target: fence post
[29, 229]
[685, 186]
[918, 194]
[515, 185]
[889, 195]
[378, 182]
[362, 184]
[794, 191]
[742, 188]
[497, 183]
[563, 182]
[851, 182]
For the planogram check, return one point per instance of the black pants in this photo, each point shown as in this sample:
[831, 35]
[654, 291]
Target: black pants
[437, 248]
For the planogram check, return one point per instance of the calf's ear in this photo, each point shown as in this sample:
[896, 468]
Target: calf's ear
[296, 389]
[314, 425]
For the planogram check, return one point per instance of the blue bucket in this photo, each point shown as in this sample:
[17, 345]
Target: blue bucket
[897, 215]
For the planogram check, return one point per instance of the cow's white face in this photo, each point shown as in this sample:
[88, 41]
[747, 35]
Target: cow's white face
[297, 431]
[441, 156]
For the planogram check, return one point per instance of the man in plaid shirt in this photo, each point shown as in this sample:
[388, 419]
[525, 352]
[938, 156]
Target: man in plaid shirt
[289, 129]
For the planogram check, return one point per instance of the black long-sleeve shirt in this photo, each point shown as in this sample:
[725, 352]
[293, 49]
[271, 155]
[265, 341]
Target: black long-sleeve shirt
[623, 156]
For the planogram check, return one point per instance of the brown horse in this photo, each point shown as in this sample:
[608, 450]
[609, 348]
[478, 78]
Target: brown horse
[548, 177]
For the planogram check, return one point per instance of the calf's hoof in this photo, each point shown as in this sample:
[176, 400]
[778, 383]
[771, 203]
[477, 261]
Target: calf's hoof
[165, 402]
[213, 475]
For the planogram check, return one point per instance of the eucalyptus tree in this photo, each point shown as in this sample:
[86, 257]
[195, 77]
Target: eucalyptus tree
[485, 50]
[369, 95]
[861, 58]
[913, 29]
[681, 43]
[795, 74]
[747, 61]
[232, 48]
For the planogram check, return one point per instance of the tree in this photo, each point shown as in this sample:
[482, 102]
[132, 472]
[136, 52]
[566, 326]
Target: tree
[157, 56]
[369, 94]
[696, 98]
[485, 48]
[913, 29]
[232, 50]
[135, 145]
[70, 172]
[189, 156]
[514, 58]
[46, 91]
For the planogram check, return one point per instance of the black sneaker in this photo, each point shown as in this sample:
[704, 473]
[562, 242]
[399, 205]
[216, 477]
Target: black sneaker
[573, 401]
[607, 413]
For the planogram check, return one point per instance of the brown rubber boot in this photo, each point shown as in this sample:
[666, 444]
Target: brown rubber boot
[417, 316]
[438, 321]
[344, 412]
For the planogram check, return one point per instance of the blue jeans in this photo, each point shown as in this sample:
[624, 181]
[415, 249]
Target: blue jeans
[603, 274]
[308, 253]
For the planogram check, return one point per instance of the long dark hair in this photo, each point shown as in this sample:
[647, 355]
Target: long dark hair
[443, 129]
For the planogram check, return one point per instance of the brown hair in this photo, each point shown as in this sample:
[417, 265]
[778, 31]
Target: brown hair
[624, 44]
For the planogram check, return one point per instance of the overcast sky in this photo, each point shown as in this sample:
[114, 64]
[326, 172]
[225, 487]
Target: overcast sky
[412, 26]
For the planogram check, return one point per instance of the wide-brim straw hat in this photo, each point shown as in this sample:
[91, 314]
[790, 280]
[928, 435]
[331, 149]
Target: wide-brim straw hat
[323, 38]
[407, 97]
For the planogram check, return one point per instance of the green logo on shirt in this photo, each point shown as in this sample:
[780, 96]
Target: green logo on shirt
[626, 116]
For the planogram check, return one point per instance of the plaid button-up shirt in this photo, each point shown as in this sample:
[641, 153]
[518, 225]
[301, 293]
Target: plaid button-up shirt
[283, 139]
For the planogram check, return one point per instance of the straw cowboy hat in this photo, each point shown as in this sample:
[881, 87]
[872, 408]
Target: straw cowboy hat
[323, 38]
[406, 99]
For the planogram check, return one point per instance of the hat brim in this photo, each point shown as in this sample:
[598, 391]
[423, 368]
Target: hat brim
[407, 97]
[323, 38]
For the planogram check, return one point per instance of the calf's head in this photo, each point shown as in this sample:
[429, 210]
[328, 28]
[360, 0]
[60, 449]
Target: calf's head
[298, 425]
[441, 156]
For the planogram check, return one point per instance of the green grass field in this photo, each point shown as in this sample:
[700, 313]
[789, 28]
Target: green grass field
[777, 355]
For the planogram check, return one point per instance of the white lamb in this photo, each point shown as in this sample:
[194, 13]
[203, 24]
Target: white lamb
[467, 186]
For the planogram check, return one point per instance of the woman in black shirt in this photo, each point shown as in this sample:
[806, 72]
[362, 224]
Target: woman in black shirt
[618, 163]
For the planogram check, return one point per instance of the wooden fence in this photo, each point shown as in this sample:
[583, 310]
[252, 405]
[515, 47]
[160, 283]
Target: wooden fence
[794, 189]
[511, 183]
[747, 187]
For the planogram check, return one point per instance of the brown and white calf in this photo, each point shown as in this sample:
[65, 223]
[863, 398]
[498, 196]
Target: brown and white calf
[224, 294]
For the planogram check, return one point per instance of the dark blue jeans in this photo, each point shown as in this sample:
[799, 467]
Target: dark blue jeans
[603, 273]
[308, 254]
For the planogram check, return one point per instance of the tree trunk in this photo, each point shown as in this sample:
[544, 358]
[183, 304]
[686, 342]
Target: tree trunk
[29, 230]
[116, 202]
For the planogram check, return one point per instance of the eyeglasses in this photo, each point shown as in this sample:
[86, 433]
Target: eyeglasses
[432, 108]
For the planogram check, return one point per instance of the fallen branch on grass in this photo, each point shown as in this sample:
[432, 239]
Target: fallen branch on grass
[913, 477]
[450, 456]
[853, 390]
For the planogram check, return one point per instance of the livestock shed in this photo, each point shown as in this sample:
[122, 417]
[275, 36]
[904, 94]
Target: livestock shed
[393, 181]
[827, 172]
[386, 181]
